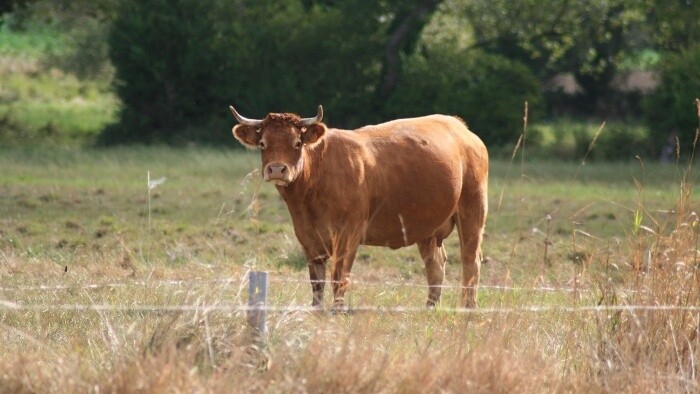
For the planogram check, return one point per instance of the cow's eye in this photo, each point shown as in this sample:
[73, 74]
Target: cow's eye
[297, 145]
[261, 144]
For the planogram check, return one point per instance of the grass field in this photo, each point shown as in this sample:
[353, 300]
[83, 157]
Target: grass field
[81, 227]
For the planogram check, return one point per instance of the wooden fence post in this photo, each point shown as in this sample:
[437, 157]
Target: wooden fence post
[257, 301]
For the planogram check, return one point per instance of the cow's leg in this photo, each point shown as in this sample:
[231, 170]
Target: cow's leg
[317, 276]
[434, 256]
[343, 259]
[316, 259]
[471, 219]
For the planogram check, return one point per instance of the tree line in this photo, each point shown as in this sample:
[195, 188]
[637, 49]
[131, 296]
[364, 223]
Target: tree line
[180, 63]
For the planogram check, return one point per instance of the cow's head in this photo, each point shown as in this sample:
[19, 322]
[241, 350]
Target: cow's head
[283, 140]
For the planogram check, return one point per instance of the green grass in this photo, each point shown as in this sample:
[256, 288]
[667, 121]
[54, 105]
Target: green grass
[209, 193]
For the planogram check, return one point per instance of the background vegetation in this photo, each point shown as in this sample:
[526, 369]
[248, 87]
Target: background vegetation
[126, 71]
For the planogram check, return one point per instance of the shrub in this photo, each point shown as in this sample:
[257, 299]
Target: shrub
[617, 141]
[88, 57]
[177, 74]
[570, 139]
[165, 56]
[487, 91]
[290, 57]
[670, 110]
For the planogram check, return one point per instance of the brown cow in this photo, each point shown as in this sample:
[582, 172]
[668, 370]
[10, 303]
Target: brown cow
[404, 182]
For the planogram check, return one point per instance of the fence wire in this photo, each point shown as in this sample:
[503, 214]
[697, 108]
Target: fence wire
[201, 308]
[242, 282]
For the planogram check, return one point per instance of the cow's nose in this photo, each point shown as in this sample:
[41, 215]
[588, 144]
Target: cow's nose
[276, 171]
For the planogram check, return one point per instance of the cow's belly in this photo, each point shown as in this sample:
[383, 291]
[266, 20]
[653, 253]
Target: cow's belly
[408, 216]
[395, 237]
[413, 196]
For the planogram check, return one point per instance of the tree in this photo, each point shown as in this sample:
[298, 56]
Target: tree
[364, 42]
[589, 38]
[307, 54]
[175, 71]
[486, 90]
[407, 24]
[164, 67]
[673, 25]
[671, 110]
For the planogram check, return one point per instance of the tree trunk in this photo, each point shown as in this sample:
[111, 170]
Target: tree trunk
[406, 26]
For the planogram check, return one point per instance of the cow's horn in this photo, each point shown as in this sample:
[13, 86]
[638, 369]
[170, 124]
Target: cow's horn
[313, 121]
[244, 121]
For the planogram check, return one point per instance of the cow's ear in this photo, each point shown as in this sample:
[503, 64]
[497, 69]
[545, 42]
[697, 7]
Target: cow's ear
[314, 133]
[247, 135]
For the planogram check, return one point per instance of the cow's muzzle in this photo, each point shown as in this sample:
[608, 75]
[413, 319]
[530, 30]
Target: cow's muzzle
[277, 173]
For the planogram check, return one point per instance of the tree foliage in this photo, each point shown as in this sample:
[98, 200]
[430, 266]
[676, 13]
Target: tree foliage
[587, 38]
[671, 109]
[370, 61]
[673, 25]
[305, 56]
[340, 54]
[486, 90]
[175, 71]
[164, 66]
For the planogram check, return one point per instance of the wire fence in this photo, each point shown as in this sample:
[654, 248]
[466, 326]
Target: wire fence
[241, 282]
[231, 308]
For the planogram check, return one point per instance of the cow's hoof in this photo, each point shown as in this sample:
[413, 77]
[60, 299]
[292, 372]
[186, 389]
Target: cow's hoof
[340, 311]
[339, 308]
[471, 304]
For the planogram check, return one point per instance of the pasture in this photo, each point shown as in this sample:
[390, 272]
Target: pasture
[590, 283]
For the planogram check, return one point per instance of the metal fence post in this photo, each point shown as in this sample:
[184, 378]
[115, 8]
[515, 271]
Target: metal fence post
[257, 301]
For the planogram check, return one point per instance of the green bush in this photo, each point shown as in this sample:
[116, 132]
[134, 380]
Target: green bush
[165, 55]
[176, 74]
[571, 139]
[671, 109]
[617, 141]
[88, 56]
[288, 57]
[487, 91]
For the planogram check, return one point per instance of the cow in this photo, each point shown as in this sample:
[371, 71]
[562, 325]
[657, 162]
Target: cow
[395, 184]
